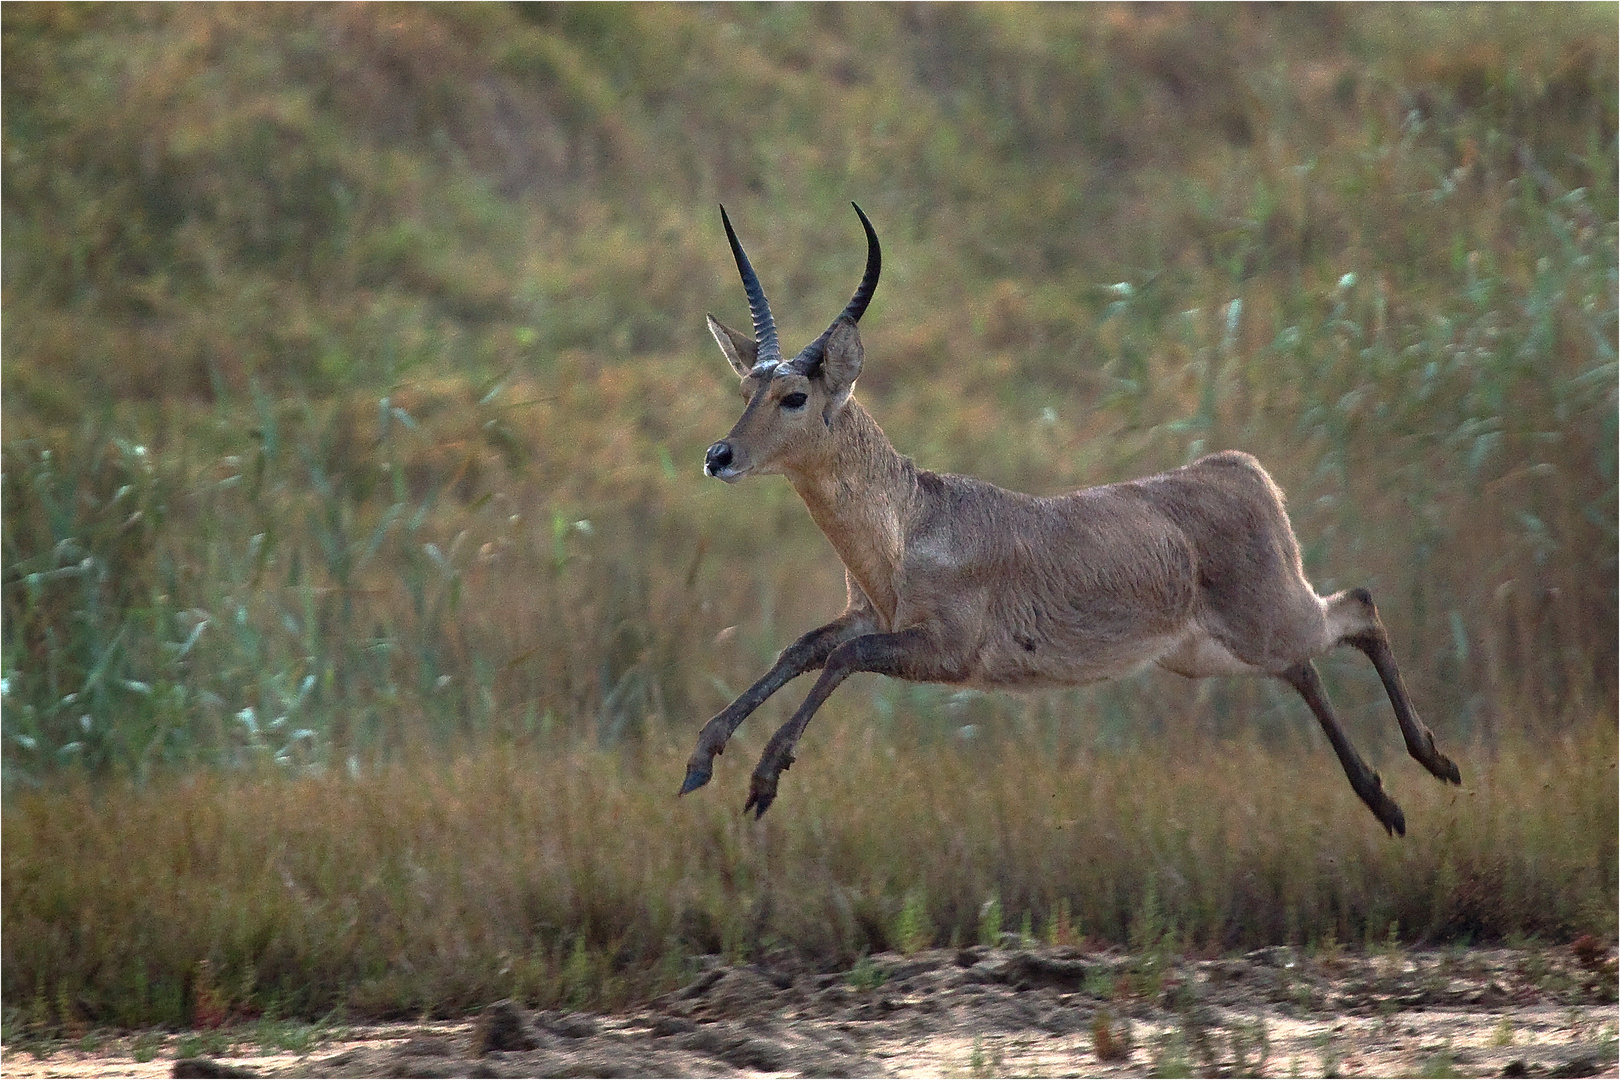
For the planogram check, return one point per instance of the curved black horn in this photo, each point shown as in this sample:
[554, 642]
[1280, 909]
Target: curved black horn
[764, 326]
[810, 358]
[874, 266]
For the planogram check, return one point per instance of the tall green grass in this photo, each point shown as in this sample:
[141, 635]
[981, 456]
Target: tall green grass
[315, 578]
[356, 385]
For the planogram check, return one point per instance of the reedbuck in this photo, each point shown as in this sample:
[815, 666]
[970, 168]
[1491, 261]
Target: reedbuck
[954, 580]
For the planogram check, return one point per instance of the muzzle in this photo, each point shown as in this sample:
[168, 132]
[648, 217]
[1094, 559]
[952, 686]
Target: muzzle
[717, 462]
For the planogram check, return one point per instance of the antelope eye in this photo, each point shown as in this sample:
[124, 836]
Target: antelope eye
[794, 400]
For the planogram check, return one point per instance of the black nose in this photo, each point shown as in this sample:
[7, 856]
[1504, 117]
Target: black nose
[718, 457]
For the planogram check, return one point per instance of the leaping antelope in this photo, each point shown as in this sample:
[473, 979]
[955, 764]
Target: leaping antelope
[954, 580]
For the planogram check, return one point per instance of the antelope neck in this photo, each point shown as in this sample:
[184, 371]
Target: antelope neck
[860, 494]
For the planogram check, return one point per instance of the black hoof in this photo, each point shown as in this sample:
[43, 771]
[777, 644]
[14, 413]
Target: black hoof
[1395, 823]
[1383, 807]
[1451, 772]
[761, 793]
[696, 777]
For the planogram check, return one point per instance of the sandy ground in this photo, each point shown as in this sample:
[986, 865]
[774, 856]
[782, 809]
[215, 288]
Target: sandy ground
[1002, 1012]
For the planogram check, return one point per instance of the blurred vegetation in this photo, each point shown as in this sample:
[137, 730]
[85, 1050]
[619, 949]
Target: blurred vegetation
[356, 385]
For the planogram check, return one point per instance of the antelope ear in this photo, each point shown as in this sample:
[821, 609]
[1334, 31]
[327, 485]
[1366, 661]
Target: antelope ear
[740, 349]
[841, 363]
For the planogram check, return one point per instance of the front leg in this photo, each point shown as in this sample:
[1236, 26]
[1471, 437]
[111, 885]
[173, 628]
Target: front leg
[913, 654]
[806, 654]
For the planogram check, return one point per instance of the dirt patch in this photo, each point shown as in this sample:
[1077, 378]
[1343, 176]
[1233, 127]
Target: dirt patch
[1014, 1011]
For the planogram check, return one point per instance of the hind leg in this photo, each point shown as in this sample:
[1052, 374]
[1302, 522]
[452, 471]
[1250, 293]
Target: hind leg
[1355, 621]
[1364, 780]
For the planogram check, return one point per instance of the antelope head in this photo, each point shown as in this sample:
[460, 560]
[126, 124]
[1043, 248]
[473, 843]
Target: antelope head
[791, 403]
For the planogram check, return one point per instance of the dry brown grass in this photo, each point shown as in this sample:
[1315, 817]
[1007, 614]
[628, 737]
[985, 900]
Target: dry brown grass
[569, 874]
